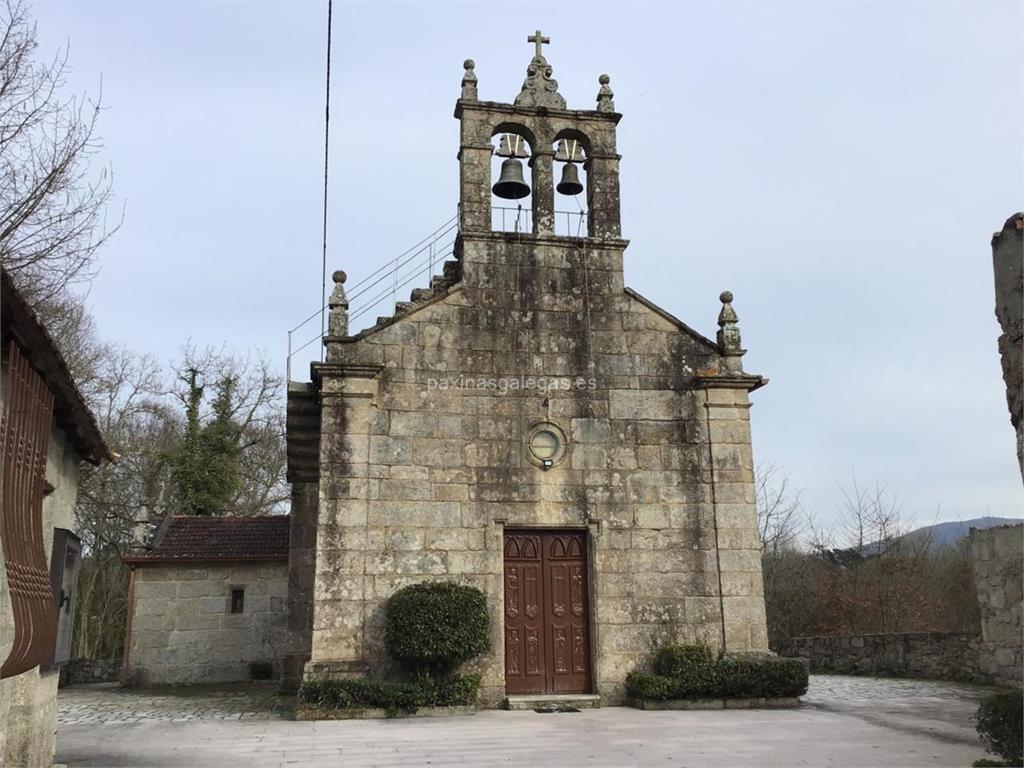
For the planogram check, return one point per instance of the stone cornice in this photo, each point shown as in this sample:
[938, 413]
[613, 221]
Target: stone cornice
[747, 381]
[510, 109]
[345, 371]
[488, 235]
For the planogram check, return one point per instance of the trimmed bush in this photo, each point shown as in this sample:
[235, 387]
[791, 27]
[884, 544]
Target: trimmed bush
[1001, 724]
[692, 672]
[434, 626]
[691, 667]
[393, 698]
[652, 687]
[760, 678]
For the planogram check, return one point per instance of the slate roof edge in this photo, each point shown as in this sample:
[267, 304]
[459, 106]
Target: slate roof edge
[200, 560]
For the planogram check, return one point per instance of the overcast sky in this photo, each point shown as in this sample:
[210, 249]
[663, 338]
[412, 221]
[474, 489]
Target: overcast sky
[839, 167]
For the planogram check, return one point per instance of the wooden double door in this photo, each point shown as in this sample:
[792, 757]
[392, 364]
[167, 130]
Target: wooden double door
[547, 637]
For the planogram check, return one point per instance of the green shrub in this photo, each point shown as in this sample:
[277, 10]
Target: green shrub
[452, 690]
[434, 626]
[760, 678]
[692, 672]
[692, 667]
[393, 698]
[1001, 724]
[651, 687]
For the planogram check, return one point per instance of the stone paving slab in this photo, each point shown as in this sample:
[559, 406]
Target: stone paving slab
[844, 722]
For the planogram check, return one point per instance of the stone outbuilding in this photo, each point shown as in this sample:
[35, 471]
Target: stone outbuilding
[208, 601]
[46, 433]
[529, 425]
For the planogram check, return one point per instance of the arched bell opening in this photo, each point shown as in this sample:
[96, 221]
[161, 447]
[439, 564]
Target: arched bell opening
[511, 184]
[571, 186]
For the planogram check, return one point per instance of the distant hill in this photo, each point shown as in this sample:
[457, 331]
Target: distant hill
[950, 534]
[941, 534]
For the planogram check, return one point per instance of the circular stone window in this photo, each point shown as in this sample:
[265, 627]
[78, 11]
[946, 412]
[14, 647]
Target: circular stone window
[545, 445]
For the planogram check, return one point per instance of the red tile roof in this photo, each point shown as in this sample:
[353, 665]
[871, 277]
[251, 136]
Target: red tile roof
[195, 539]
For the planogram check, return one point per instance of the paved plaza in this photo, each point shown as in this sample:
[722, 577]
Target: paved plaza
[844, 721]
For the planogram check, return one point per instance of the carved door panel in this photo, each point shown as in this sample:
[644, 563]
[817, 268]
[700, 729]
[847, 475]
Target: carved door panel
[546, 633]
[525, 668]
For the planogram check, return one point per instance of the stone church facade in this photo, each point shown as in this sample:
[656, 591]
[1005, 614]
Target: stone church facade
[529, 425]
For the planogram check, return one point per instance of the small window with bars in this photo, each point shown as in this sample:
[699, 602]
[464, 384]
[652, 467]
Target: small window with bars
[238, 599]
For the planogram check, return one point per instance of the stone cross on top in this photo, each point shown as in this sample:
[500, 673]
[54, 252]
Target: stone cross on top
[540, 40]
[539, 88]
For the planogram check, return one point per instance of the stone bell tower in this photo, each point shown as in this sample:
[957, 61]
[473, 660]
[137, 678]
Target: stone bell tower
[538, 115]
[528, 425]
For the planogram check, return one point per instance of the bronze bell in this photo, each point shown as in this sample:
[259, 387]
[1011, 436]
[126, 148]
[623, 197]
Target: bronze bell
[570, 183]
[510, 184]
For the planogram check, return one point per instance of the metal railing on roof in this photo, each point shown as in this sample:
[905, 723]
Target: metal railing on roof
[383, 284]
[423, 259]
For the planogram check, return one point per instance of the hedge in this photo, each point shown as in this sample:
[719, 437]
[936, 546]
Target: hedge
[434, 626]
[393, 698]
[692, 672]
[1001, 725]
[690, 667]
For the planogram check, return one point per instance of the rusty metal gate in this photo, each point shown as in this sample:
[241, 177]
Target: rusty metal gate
[24, 437]
[547, 638]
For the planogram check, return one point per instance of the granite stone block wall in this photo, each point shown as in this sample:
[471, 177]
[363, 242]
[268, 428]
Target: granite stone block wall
[423, 468]
[182, 629]
[931, 655]
[997, 555]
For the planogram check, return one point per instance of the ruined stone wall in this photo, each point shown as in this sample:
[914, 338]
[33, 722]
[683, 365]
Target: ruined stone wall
[1008, 266]
[28, 702]
[183, 631]
[929, 655]
[996, 558]
[422, 468]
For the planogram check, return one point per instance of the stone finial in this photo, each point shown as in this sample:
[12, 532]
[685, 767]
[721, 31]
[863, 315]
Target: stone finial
[337, 325]
[728, 330]
[469, 80]
[605, 95]
[539, 89]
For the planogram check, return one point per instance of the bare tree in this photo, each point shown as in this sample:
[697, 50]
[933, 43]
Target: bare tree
[52, 205]
[119, 503]
[781, 520]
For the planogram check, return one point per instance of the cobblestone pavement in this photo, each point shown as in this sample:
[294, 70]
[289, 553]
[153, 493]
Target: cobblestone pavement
[844, 722]
[107, 703]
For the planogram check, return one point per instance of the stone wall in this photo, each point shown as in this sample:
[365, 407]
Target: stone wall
[87, 671]
[997, 557]
[182, 630]
[28, 702]
[1008, 266]
[933, 655]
